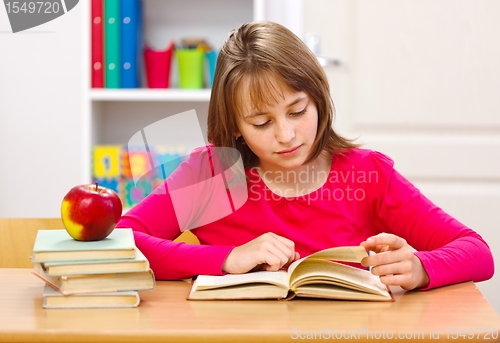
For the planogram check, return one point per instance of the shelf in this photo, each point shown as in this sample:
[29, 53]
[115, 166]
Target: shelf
[172, 95]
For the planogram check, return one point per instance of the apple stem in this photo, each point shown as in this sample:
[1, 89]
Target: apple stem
[96, 186]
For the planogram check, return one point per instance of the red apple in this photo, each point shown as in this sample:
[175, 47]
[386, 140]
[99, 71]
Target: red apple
[90, 212]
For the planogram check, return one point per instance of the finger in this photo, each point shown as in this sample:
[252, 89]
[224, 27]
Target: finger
[274, 262]
[286, 246]
[295, 258]
[377, 248]
[370, 244]
[285, 241]
[383, 242]
[396, 280]
[387, 257]
[393, 241]
[273, 256]
[399, 268]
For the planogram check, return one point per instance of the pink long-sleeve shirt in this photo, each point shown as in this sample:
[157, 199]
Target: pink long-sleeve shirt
[363, 196]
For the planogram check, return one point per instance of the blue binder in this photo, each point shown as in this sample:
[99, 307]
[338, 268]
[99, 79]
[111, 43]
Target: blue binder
[131, 43]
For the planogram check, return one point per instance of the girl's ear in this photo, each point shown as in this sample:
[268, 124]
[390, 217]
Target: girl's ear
[237, 134]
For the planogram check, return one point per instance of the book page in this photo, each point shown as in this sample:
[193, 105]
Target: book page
[315, 271]
[334, 292]
[239, 292]
[279, 278]
[342, 254]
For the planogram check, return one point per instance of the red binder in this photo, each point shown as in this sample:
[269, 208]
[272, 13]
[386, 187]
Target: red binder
[97, 44]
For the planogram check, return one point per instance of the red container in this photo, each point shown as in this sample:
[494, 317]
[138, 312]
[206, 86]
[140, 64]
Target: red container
[157, 63]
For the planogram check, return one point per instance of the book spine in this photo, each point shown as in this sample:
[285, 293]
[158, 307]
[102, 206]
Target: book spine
[103, 302]
[130, 20]
[140, 42]
[112, 42]
[97, 44]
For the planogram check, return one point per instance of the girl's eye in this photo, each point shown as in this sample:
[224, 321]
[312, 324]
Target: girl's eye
[293, 114]
[260, 126]
[299, 113]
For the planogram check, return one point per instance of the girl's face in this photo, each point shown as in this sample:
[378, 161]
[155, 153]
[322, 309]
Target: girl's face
[281, 134]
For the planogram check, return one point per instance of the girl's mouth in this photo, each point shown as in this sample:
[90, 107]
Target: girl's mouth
[289, 152]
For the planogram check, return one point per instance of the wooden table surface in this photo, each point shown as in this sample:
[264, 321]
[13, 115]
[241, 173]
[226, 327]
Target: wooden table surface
[453, 313]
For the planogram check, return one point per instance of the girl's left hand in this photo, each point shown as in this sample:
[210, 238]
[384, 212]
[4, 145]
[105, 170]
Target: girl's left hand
[394, 262]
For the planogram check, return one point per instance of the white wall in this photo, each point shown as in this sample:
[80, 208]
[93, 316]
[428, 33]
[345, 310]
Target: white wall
[41, 101]
[420, 83]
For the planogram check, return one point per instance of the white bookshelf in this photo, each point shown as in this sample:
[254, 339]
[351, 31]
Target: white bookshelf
[112, 116]
[144, 94]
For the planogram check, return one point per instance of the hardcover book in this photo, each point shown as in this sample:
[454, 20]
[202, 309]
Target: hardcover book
[58, 245]
[97, 44]
[320, 275]
[53, 299]
[112, 41]
[96, 283]
[60, 268]
[131, 42]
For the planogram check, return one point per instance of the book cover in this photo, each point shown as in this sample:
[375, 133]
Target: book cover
[97, 283]
[53, 299]
[137, 264]
[58, 245]
[112, 43]
[314, 276]
[131, 41]
[97, 44]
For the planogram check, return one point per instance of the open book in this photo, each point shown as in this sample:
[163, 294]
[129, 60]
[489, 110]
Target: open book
[314, 276]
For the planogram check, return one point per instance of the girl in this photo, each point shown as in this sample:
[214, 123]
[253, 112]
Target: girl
[308, 188]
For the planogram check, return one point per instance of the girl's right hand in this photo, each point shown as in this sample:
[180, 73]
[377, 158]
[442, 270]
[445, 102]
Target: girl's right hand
[267, 252]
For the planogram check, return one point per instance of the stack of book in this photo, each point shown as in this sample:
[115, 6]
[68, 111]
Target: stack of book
[105, 273]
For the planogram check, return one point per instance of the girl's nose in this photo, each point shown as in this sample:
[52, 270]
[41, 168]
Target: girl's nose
[285, 131]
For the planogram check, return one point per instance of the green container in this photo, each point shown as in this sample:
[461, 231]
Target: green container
[190, 63]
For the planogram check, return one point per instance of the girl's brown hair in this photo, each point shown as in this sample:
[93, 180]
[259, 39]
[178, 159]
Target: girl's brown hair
[252, 56]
